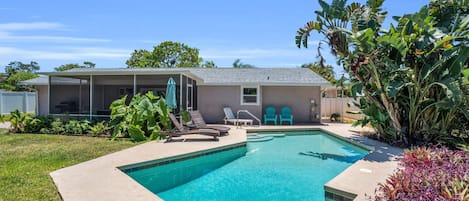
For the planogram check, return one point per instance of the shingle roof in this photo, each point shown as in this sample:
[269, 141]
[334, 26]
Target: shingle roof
[264, 76]
[41, 80]
[220, 76]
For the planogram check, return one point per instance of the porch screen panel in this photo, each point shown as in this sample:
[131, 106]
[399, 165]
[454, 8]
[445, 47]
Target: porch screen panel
[184, 92]
[69, 95]
[154, 83]
[194, 94]
[108, 88]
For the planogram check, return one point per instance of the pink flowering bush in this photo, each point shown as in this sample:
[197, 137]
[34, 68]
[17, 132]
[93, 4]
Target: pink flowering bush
[435, 173]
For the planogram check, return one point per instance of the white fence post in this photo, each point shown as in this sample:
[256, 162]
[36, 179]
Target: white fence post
[25, 102]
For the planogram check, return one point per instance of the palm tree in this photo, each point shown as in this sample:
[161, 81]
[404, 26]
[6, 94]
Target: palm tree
[330, 22]
[327, 72]
[334, 19]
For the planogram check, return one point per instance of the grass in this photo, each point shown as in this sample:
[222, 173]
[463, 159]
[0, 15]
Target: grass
[27, 159]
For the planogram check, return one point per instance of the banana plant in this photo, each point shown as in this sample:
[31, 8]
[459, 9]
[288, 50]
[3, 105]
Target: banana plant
[411, 75]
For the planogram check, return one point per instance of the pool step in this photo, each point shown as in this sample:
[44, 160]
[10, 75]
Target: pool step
[254, 137]
[260, 139]
[273, 135]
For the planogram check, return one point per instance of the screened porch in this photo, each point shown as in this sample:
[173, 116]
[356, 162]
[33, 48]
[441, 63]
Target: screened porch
[89, 96]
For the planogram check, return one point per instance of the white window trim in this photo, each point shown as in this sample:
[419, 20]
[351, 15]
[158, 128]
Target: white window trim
[257, 95]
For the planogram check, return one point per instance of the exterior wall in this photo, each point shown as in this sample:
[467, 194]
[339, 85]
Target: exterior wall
[212, 100]
[43, 100]
[298, 98]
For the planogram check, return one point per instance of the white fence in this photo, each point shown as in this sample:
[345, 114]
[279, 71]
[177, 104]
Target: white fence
[339, 105]
[25, 102]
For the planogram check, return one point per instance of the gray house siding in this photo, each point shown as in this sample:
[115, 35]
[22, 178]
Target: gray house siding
[298, 98]
[212, 100]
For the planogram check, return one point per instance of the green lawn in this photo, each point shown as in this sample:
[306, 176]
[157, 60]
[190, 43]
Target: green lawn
[27, 159]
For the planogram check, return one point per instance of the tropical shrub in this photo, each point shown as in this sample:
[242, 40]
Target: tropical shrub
[142, 119]
[19, 121]
[56, 126]
[25, 123]
[99, 128]
[36, 123]
[75, 127]
[435, 173]
[410, 74]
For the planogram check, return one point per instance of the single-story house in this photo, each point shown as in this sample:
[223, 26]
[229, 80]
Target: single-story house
[89, 92]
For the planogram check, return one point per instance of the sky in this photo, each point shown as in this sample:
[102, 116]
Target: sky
[259, 32]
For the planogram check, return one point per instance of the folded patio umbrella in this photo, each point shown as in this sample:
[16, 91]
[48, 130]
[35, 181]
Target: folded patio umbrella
[171, 93]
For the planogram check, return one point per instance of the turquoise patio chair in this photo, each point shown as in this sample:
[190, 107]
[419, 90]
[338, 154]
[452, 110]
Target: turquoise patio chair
[286, 115]
[270, 115]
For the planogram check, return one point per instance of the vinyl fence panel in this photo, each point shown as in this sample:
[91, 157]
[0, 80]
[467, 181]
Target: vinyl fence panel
[25, 102]
[340, 106]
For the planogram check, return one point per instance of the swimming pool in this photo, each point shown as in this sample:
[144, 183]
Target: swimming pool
[294, 166]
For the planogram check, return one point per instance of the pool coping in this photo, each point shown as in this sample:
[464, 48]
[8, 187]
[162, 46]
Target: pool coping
[102, 178]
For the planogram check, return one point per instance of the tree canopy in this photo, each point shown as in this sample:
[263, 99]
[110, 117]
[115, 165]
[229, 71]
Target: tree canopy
[238, 64]
[167, 54]
[209, 64]
[327, 72]
[86, 64]
[16, 72]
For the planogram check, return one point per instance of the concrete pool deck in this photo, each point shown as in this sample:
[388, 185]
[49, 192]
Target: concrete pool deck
[100, 178]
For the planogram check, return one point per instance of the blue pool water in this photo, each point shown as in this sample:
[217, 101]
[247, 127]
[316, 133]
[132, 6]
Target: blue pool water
[294, 167]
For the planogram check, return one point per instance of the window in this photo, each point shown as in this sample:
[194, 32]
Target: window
[249, 95]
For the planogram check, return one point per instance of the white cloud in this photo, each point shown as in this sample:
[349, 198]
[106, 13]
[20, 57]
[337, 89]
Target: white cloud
[11, 53]
[252, 53]
[8, 33]
[17, 26]
[8, 38]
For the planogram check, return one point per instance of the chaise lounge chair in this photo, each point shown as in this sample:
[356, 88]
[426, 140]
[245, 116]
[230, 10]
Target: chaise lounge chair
[229, 117]
[199, 122]
[180, 130]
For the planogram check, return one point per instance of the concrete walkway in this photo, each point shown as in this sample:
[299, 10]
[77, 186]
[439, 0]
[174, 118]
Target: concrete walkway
[5, 125]
[100, 179]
